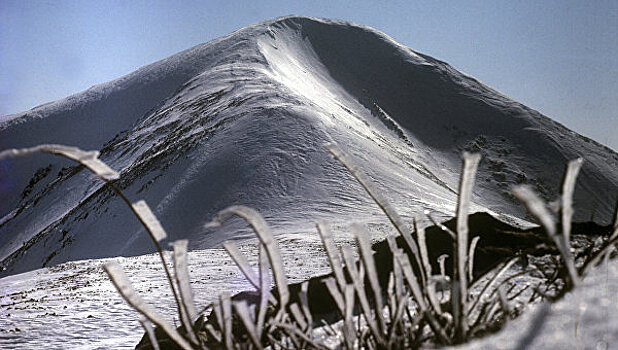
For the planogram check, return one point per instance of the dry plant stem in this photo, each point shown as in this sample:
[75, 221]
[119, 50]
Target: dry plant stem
[357, 280]
[391, 296]
[470, 165]
[429, 287]
[349, 331]
[397, 319]
[216, 335]
[471, 251]
[537, 207]
[568, 188]
[147, 325]
[298, 316]
[182, 277]
[494, 308]
[510, 278]
[518, 293]
[367, 257]
[90, 160]
[226, 308]
[422, 244]
[219, 316]
[242, 263]
[328, 328]
[152, 235]
[384, 205]
[256, 221]
[243, 313]
[418, 297]
[154, 231]
[496, 273]
[397, 274]
[125, 288]
[503, 303]
[265, 295]
[441, 261]
[333, 256]
[303, 296]
[334, 291]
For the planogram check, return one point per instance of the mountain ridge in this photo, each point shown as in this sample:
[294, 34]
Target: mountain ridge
[242, 120]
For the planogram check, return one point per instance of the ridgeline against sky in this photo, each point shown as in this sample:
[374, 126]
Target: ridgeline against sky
[243, 120]
[557, 57]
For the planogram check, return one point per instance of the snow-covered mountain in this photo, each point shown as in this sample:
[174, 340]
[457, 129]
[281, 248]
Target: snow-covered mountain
[243, 119]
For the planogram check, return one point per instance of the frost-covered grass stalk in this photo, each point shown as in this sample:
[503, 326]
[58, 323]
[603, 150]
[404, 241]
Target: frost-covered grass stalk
[406, 313]
[141, 210]
[567, 270]
[449, 323]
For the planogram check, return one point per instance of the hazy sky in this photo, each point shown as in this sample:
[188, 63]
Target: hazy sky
[558, 57]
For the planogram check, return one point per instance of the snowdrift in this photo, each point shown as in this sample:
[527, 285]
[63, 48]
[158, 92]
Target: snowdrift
[243, 120]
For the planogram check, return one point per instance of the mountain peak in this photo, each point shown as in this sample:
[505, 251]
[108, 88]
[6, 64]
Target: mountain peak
[242, 120]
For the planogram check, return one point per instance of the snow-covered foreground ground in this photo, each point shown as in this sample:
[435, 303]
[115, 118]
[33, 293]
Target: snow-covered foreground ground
[586, 318]
[75, 306]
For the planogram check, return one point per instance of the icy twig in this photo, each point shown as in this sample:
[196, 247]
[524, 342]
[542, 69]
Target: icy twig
[149, 220]
[386, 207]
[303, 296]
[422, 244]
[147, 325]
[256, 221]
[536, 206]
[349, 333]
[495, 274]
[226, 311]
[471, 252]
[90, 159]
[366, 254]
[333, 255]
[470, 165]
[125, 288]
[408, 273]
[242, 263]
[242, 310]
[184, 287]
[568, 188]
[357, 280]
[265, 295]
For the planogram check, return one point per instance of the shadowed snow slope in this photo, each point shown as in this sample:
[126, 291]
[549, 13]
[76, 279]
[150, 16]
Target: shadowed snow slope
[243, 120]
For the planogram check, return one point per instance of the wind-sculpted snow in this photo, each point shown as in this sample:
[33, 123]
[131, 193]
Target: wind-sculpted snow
[242, 120]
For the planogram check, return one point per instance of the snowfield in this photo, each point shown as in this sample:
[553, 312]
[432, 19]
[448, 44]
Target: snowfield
[75, 306]
[243, 120]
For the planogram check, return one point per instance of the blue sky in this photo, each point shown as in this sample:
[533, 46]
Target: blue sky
[558, 57]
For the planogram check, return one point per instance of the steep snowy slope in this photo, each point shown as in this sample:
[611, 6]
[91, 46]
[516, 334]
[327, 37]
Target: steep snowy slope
[242, 120]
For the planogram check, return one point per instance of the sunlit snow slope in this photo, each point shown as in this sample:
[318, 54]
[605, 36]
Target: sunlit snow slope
[243, 120]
